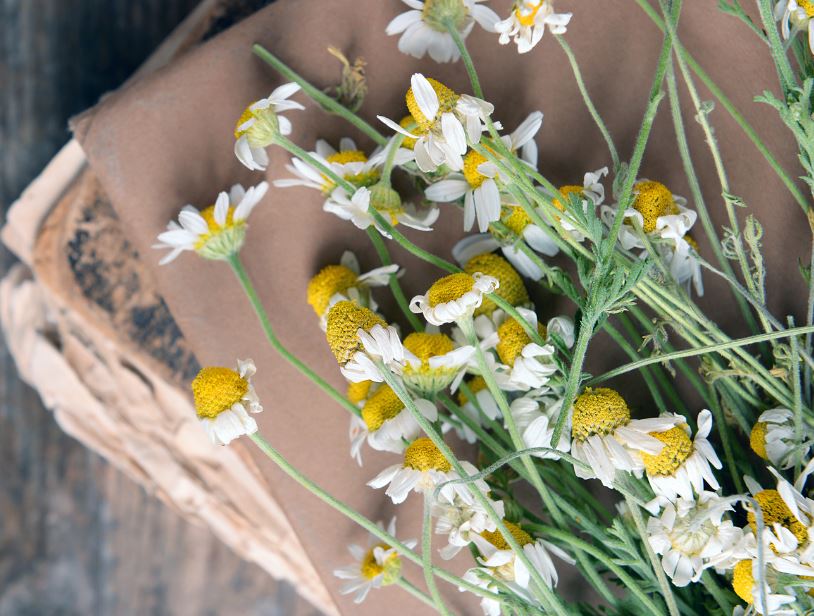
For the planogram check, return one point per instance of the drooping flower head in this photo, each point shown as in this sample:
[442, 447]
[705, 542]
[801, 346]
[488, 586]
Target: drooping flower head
[223, 400]
[453, 297]
[261, 123]
[527, 23]
[510, 285]
[216, 232]
[773, 439]
[388, 423]
[795, 16]
[386, 201]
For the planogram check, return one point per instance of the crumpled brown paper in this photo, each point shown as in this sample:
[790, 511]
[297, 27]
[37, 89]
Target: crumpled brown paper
[168, 141]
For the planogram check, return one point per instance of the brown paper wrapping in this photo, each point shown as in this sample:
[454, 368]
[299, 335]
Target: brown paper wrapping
[168, 141]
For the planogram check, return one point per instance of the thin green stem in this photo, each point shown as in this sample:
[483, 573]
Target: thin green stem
[410, 588]
[268, 330]
[709, 582]
[426, 557]
[723, 432]
[781, 61]
[794, 378]
[318, 95]
[574, 377]
[395, 287]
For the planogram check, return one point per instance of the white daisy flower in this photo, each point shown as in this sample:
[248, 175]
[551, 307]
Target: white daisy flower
[344, 281]
[432, 362]
[383, 199]
[375, 566]
[794, 16]
[500, 563]
[772, 438]
[745, 578]
[360, 339]
[423, 469]
[683, 465]
[606, 439]
[223, 400]
[527, 23]
[461, 520]
[349, 162]
[261, 123]
[692, 536]
[216, 232]
[387, 423]
[445, 119]
[480, 183]
[423, 28]
[453, 297]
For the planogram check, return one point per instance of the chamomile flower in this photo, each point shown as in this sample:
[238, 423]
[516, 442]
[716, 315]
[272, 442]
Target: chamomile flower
[479, 183]
[683, 465]
[445, 121]
[606, 438]
[461, 520]
[216, 232]
[261, 123]
[745, 583]
[388, 423]
[345, 282]
[772, 438]
[375, 566]
[591, 194]
[223, 400]
[424, 468]
[527, 23]
[432, 363]
[795, 15]
[453, 297]
[510, 285]
[360, 339]
[356, 208]
[500, 563]
[692, 535]
[423, 28]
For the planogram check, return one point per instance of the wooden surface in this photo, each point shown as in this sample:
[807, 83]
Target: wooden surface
[76, 537]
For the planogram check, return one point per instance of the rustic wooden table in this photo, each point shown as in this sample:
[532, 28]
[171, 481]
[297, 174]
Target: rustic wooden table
[76, 536]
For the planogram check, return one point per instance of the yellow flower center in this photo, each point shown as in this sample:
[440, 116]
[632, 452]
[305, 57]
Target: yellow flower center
[450, 288]
[208, 214]
[517, 220]
[691, 241]
[475, 384]
[743, 582]
[345, 319]
[472, 161]
[328, 282]
[389, 569]
[247, 115]
[511, 285]
[384, 404]
[757, 439]
[358, 391]
[653, 199]
[347, 156]
[409, 124]
[447, 99]
[566, 191]
[807, 6]
[677, 448]
[499, 541]
[775, 511]
[424, 345]
[528, 13]
[423, 455]
[598, 411]
[366, 178]
[512, 338]
[216, 390]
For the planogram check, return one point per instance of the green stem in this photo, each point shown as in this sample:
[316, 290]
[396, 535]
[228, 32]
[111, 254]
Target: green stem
[574, 377]
[794, 378]
[708, 580]
[781, 61]
[426, 557]
[318, 95]
[395, 287]
[405, 585]
[723, 432]
[265, 323]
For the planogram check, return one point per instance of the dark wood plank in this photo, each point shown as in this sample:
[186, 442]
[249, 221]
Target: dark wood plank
[76, 536]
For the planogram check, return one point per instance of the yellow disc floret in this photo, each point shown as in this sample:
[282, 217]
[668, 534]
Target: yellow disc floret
[389, 569]
[424, 345]
[598, 411]
[216, 390]
[807, 6]
[496, 538]
[384, 404]
[345, 319]
[653, 199]
[517, 219]
[677, 448]
[447, 99]
[247, 115]
[208, 214]
[472, 161]
[511, 285]
[475, 384]
[512, 338]
[450, 288]
[331, 280]
[409, 124]
[343, 157]
[776, 511]
[757, 439]
[423, 455]
[358, 391]
[566, 191]
[743, 581]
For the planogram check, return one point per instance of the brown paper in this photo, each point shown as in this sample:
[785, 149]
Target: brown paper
[168, 141]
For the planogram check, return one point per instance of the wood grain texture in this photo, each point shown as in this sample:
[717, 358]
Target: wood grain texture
[76, 537]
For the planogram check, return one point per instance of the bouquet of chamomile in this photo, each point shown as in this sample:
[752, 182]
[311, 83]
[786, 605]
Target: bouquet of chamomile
[710, 509]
